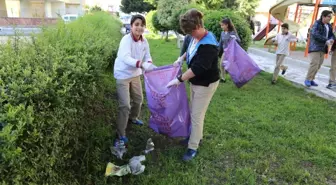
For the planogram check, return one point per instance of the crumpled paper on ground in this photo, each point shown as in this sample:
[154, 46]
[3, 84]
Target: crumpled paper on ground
[113, 170]
[133, 167]
[119, 150]
[149, 146]
[136, 166]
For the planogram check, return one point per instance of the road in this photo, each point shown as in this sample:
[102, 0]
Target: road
[10, 31]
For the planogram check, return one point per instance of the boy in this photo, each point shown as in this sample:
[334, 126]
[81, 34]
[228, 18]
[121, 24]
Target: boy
[321, 36]
[282, 40]
[133, 56]
[332, 71]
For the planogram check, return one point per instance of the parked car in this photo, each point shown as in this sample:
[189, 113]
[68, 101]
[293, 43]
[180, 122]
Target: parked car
[127, 28]
[69, 17]
[125, 19]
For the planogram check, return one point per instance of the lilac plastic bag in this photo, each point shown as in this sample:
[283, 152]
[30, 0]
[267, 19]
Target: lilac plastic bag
[169, 107]
[239, 64]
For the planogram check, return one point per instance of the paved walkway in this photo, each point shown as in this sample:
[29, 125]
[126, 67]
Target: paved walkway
[299, 55]
[296, 73]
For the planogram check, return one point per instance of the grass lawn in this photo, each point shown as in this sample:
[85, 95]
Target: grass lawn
[259, 134]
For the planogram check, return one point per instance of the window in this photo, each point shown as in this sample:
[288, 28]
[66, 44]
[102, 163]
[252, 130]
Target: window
[72, 18]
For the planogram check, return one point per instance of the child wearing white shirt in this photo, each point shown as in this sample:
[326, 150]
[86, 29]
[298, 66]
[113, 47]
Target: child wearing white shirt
[282, 40]
[133, 57]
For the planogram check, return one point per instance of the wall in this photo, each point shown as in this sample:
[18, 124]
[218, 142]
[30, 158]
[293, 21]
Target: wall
[13, 8]
[57, 8]
[72, 9]
[25, 9]
[3, 9]
[38, 9]
[48, 11]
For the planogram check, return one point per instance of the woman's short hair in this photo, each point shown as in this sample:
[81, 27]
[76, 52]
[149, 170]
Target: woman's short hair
[191, 20]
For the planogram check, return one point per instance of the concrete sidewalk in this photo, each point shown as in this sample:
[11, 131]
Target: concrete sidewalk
[299, 55]
[296, 73]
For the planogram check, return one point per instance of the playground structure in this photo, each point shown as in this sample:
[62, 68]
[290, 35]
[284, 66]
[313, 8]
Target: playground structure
[280, 11]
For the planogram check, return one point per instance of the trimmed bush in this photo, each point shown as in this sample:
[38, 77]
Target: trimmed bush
[153, 23]
[213, 18]
[45, 87]
[178, 12]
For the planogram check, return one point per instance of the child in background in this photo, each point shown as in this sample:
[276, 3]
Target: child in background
[184, 48]
[133, 57]
[229, 32]
[282, 40]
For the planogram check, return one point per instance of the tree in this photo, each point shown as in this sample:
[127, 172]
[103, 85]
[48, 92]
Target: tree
[246, 7]
[128, 6]
[152, 2]
[213, 17]
[166, 11]
[153, 23]
[95, 9]
[178, 12]
[156, 2]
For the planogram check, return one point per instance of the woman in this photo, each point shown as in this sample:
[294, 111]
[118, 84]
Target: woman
[229, 32]
[202, 73]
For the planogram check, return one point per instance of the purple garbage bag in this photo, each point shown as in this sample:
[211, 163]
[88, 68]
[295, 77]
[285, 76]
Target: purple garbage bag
[239, 64]
[169, 107]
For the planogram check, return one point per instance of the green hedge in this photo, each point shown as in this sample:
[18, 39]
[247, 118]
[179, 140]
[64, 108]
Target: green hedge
[182, 10]
[213, 17]
[45, 86]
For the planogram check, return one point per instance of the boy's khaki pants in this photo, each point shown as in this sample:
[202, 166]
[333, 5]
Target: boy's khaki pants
[332, 71]
[280, 58]
[130, 98]
[316, 61]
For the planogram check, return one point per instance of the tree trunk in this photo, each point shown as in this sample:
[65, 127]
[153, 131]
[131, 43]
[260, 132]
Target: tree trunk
[167, 36]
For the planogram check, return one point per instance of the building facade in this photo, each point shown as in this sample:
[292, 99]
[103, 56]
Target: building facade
[40, 8]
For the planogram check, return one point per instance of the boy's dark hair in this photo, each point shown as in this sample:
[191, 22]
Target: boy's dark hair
[138, 16]
[325, 13]
[285, 25]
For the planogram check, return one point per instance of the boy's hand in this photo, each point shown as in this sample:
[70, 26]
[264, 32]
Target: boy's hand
[148, 66]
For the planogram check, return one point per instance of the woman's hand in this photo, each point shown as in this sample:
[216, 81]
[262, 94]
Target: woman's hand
[175, 82]
[178, 62]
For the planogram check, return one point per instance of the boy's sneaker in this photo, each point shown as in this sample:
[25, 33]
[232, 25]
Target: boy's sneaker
[222, 80]
[137, 122]
[189, 155]
[121, 142]
[313, 83]
[307, 83]
[331, 86]
[273, 82]
[124, 139]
